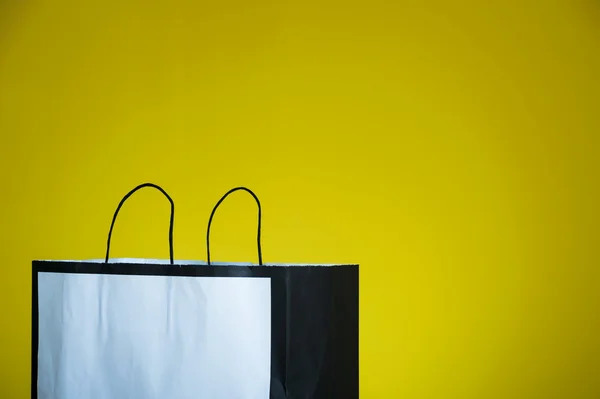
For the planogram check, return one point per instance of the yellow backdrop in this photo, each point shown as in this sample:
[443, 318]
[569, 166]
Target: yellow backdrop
[449, 148]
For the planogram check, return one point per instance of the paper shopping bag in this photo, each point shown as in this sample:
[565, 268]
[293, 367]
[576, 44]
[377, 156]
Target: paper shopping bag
[134, 328]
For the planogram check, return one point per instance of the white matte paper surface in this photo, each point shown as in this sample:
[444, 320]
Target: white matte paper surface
[153, 337]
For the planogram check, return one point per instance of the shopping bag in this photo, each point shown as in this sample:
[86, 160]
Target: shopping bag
[236, 330]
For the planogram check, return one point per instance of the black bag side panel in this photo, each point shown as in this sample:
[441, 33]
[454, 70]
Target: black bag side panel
[310, 305]
[322, 351]
[340, 379]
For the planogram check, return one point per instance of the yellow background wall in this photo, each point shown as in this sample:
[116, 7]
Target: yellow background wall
[449, 148]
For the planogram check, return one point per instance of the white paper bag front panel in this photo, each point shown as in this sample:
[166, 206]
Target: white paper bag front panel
[153, 337]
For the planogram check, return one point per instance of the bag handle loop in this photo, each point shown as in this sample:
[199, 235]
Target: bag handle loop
[129, 194]
[260, 262]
